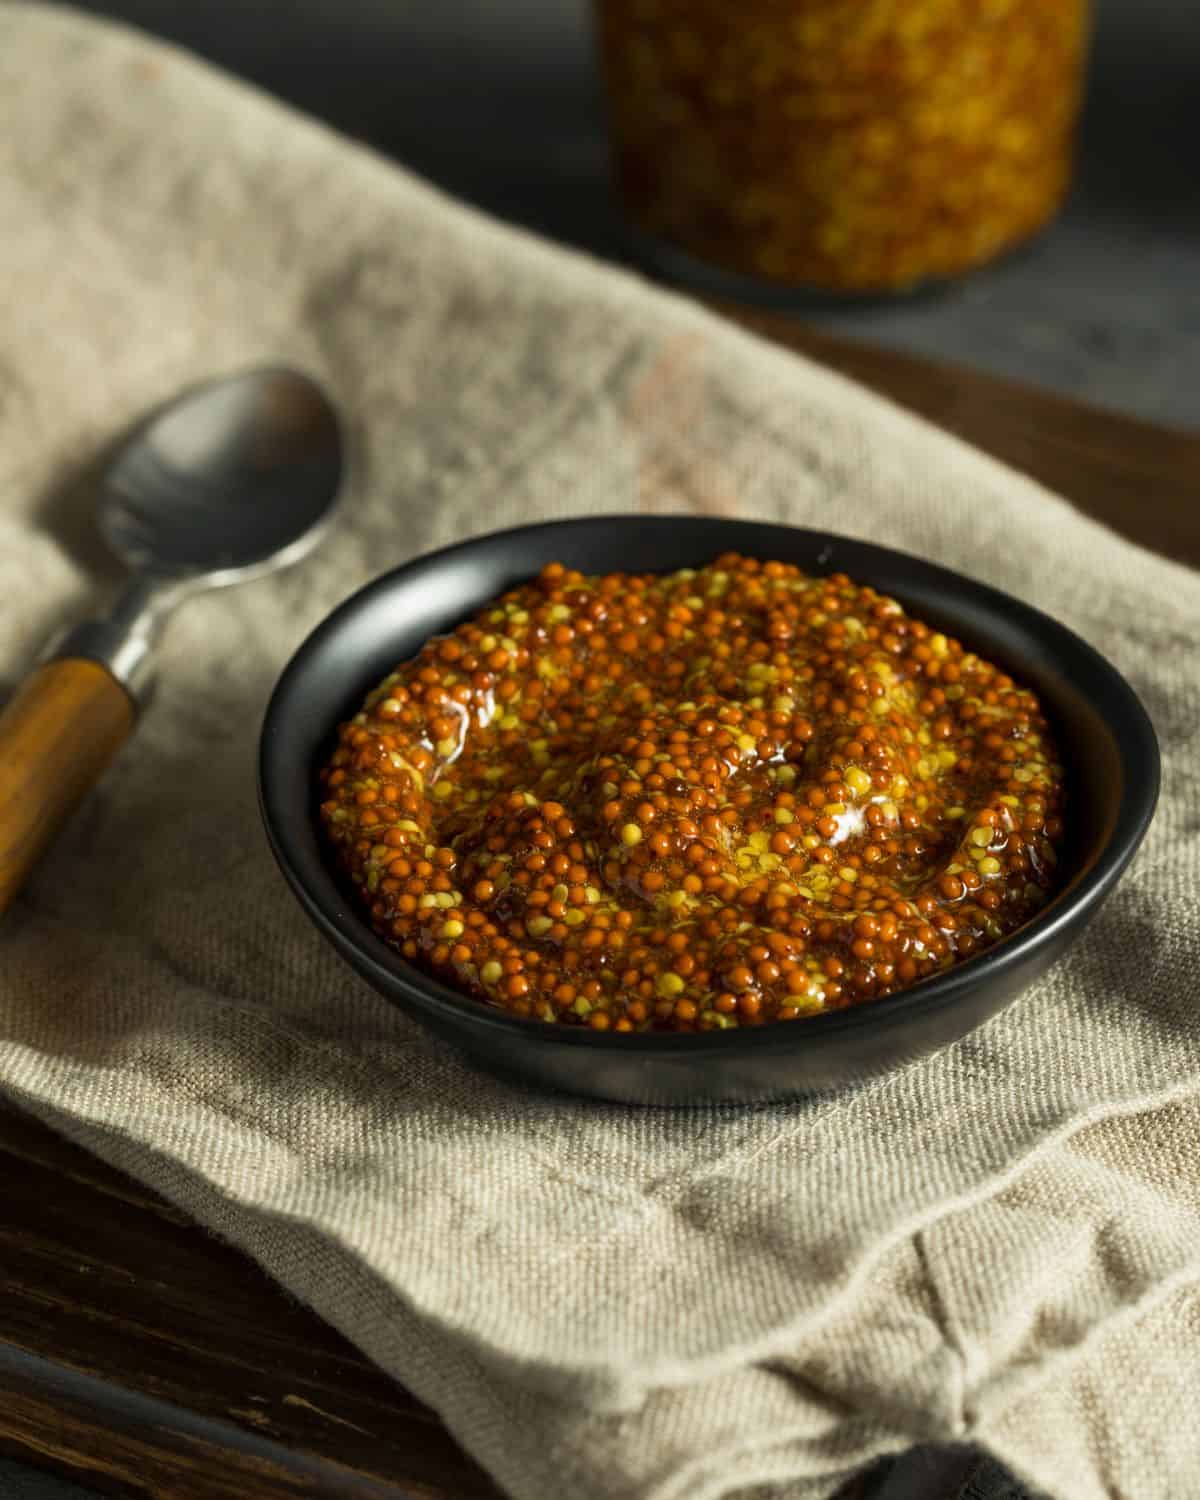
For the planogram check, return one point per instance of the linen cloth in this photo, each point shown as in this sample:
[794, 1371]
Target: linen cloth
[1000, 1244]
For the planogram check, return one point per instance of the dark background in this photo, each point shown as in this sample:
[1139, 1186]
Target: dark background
[498, 102]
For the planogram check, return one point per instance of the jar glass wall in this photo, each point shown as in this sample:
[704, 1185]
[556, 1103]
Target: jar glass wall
[844, 146]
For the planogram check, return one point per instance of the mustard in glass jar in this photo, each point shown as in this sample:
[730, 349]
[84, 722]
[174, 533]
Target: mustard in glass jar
[847, 146]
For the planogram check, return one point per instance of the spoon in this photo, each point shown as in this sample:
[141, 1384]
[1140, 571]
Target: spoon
[230, 481]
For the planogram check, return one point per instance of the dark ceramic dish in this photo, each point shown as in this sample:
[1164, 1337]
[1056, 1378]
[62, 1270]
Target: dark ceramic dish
[1110, 754]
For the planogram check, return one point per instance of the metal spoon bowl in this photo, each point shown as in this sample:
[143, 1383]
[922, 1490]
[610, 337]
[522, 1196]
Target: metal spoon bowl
[232, 480]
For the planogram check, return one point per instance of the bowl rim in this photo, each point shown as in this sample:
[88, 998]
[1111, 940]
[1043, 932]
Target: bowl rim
[349, 932]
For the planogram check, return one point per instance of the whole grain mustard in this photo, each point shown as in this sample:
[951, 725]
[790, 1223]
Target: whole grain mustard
[722, 797]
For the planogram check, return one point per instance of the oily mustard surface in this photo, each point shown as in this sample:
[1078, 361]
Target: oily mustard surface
[850, 145]
[721, 797]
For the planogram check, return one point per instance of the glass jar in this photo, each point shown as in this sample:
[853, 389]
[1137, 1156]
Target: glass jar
[847, 146]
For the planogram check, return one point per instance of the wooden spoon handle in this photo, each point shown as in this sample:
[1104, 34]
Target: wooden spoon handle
[57, 734]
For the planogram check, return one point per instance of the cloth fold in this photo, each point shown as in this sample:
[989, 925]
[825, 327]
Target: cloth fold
[1000, 1244]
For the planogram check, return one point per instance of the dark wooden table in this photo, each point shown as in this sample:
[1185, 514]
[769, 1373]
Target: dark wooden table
[143, 1357]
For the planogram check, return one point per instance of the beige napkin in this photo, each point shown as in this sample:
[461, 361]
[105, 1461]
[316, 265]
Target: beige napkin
[1000, 1244]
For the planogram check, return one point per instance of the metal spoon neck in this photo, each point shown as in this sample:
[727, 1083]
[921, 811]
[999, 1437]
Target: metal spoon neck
[144, 604]
[124, 642]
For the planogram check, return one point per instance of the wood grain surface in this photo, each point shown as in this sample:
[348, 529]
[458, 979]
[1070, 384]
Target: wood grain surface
[137, 1350]
[1141, 479]
[141, 1356]
[58, 733]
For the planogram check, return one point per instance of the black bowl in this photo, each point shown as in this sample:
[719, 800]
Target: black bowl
[1110, 754]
